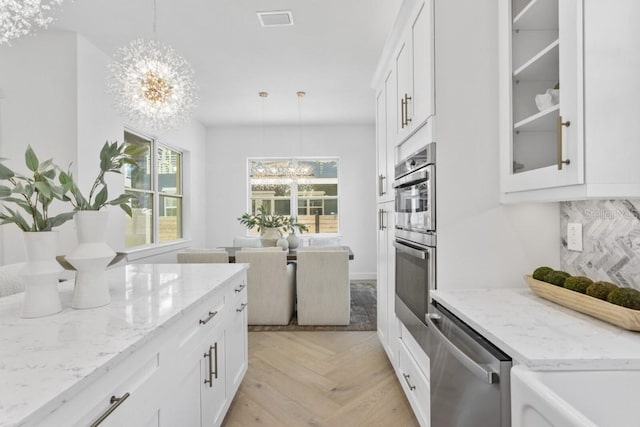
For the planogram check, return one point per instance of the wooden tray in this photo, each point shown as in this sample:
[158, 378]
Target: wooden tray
[620, 316]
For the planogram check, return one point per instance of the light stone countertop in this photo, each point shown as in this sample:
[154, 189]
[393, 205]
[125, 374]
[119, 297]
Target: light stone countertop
[45, 361]
[541, 334]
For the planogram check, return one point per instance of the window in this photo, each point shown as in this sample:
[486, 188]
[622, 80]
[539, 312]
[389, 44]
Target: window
[157, 185]
[313, 198]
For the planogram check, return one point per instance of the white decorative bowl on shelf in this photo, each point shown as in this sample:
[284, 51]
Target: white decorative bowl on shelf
[548, 99]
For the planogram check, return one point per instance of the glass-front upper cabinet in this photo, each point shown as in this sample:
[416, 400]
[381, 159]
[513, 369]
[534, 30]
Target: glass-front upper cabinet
[541, 50]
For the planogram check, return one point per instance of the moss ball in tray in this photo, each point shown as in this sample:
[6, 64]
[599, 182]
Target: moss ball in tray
[600, 290]
[556, 277]
[577, 283]
[540, 272]
[626, 297]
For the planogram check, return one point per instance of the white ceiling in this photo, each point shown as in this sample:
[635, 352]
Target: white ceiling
[331, 52]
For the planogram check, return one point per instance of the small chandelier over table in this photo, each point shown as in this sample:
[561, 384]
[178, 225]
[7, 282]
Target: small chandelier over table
[19, 17]
[152, 84]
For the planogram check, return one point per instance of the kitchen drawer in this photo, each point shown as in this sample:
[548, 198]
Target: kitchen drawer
[415, 386]
[139, 378]
[201, 320]
[421, 358]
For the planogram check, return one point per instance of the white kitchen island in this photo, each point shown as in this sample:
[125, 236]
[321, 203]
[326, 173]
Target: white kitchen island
[173, 341]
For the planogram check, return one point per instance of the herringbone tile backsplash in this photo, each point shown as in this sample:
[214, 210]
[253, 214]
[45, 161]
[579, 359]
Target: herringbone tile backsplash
[611, 240]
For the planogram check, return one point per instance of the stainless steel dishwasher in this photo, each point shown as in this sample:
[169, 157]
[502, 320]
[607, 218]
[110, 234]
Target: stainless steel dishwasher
[470, 384]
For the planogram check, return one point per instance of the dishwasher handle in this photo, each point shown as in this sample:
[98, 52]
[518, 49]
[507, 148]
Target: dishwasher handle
[473, 366]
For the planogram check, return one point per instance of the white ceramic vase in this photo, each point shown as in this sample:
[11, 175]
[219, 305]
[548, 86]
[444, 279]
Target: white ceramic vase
[90, 259]
[294, 240]
[269, 236]
[41, 273]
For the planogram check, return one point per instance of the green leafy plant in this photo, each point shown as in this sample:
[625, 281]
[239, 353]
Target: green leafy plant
[33, 194]
[112, 158]
[264, 220]
[295, 225]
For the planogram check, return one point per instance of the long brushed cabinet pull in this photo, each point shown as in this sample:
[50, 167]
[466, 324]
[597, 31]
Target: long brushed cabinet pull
[561, 124]
[114, 402]
[210, 379]
[406, 378]
[215, 349]
[211, 316]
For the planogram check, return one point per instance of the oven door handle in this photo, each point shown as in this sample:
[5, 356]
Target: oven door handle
[413, 178]
[411, 251]
[473, 366]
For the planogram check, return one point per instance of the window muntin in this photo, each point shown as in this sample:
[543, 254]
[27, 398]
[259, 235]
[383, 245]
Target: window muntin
[157, 184]
[313, 199]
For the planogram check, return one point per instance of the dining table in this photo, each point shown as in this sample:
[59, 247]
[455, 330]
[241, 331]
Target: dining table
[292, 254]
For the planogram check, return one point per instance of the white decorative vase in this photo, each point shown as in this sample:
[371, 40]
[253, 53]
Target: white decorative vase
[283, 243]
[41, 272]
[294, 240]
[90, 259]
[269, 236]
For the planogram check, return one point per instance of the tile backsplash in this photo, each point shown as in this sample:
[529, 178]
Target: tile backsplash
[611, 240]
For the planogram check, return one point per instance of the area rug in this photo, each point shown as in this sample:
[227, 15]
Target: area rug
[363, 312]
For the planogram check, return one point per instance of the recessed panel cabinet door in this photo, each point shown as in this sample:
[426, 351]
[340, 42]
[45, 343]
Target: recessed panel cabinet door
[381, 145]
[237, 355]
[404, 103]
[213, 387]
[423, 83]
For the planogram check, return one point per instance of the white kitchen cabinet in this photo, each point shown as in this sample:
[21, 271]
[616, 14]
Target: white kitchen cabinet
[573, 148]
[385, 145]
[387, 322]
[237, 346]
[413, 64]
[415, 384]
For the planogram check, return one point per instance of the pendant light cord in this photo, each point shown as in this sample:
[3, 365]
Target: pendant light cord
[155, 18]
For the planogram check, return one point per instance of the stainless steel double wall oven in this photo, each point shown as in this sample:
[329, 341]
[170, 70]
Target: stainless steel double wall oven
[415, 239]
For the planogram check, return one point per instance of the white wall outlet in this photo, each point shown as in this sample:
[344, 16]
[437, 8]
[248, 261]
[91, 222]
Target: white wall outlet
[574, 236]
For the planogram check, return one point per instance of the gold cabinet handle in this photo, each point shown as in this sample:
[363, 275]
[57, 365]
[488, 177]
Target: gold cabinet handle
[407, 119]
[242, 307]
[382, 224]
[114, 402]
[560, 125]
[402, 113]
[240, 288]
[406, 378]
[211, 316]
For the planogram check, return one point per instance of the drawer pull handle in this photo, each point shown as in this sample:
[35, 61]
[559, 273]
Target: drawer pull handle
[114, 402]
[242, 307]
[211, 316]
[406, 378]
[240, 288]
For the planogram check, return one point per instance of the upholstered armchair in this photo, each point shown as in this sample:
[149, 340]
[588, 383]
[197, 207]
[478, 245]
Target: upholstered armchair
[191, 256]
[271, 287]
[323, 287]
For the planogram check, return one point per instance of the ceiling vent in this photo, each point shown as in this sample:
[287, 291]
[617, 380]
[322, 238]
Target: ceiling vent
[276, 18]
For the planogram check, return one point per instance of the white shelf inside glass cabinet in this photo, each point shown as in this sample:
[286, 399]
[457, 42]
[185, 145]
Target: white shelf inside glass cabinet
[542, 66]
[537, 15]
[545, 120]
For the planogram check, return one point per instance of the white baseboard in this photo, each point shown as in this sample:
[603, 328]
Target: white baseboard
[362, 276]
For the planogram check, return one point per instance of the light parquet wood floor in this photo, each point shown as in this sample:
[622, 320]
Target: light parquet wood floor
[335, 379]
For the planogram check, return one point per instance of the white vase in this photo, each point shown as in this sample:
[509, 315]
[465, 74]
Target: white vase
[90, 259]
[282, 243]
[294, 240]
[41, 272]
[269, 236]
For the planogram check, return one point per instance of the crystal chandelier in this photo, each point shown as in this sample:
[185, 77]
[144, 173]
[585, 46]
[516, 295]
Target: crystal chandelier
[152, 85]
[18, 17]
[281, 172]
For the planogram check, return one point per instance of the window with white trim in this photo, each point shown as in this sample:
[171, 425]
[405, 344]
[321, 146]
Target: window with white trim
[311, 197]
[156, 183]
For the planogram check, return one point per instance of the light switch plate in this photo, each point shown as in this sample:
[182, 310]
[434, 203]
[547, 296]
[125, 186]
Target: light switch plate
[574, 236]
